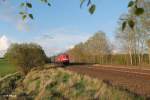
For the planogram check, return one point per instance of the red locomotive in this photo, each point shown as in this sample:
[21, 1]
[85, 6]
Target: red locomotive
[63, 59]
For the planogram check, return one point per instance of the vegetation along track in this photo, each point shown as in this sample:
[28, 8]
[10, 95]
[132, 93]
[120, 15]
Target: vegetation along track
[134, 80]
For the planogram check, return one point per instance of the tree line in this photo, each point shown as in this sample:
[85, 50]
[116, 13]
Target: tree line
[134, 43]
[99, 50]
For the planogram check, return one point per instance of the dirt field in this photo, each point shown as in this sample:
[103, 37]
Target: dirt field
[132, 79]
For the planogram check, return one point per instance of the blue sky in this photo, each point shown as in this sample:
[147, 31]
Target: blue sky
[62, 25]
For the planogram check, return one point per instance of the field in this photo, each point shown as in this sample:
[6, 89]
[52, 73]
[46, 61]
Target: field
[59, 84]
[130, 79]
[55, 83]
[6, 68]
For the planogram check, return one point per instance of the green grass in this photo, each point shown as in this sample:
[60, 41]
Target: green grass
[6, 68]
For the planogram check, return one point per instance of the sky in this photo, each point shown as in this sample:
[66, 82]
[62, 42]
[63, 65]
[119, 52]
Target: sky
[59, 27]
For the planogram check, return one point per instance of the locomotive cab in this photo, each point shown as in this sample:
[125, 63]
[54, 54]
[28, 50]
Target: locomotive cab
[63, 59]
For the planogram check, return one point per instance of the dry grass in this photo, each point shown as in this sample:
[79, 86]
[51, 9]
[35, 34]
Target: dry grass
[58, 84]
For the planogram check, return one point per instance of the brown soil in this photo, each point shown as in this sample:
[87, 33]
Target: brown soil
[135, 80]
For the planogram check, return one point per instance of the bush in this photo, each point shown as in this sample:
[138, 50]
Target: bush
[26, 56]
[48, 59]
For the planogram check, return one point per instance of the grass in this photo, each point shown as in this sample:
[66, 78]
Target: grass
[6, 68]
[58, 84]
[8, 84]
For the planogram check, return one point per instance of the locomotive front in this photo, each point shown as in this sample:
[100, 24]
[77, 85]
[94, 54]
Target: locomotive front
[63, 59]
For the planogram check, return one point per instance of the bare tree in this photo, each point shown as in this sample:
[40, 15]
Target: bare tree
[93, 50]
[148, 42]
[134, 40]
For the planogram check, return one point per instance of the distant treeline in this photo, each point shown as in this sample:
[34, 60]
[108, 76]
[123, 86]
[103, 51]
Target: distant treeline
[117, 59]
[98, 50]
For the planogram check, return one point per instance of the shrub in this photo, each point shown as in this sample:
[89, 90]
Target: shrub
[26, 56]
[48, 59]
[8, 84]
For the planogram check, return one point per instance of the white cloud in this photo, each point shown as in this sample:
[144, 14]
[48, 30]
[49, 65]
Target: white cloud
[53, 41]
[61, 39]
[72, 46]
[4, 44]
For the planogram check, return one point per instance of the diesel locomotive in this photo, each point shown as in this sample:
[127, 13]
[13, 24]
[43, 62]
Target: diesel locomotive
[62, 59]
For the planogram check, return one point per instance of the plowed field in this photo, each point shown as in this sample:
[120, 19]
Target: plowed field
[131, 79]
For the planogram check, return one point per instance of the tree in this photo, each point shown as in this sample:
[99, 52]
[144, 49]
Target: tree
[137, 10]
[77, 53]
[148, 43]
[98, 45]
[126, 38]
[26, 56]
[134, 39]
[94, 50]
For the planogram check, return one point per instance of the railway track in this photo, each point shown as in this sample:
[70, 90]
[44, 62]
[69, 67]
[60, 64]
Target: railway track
[135, 80]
